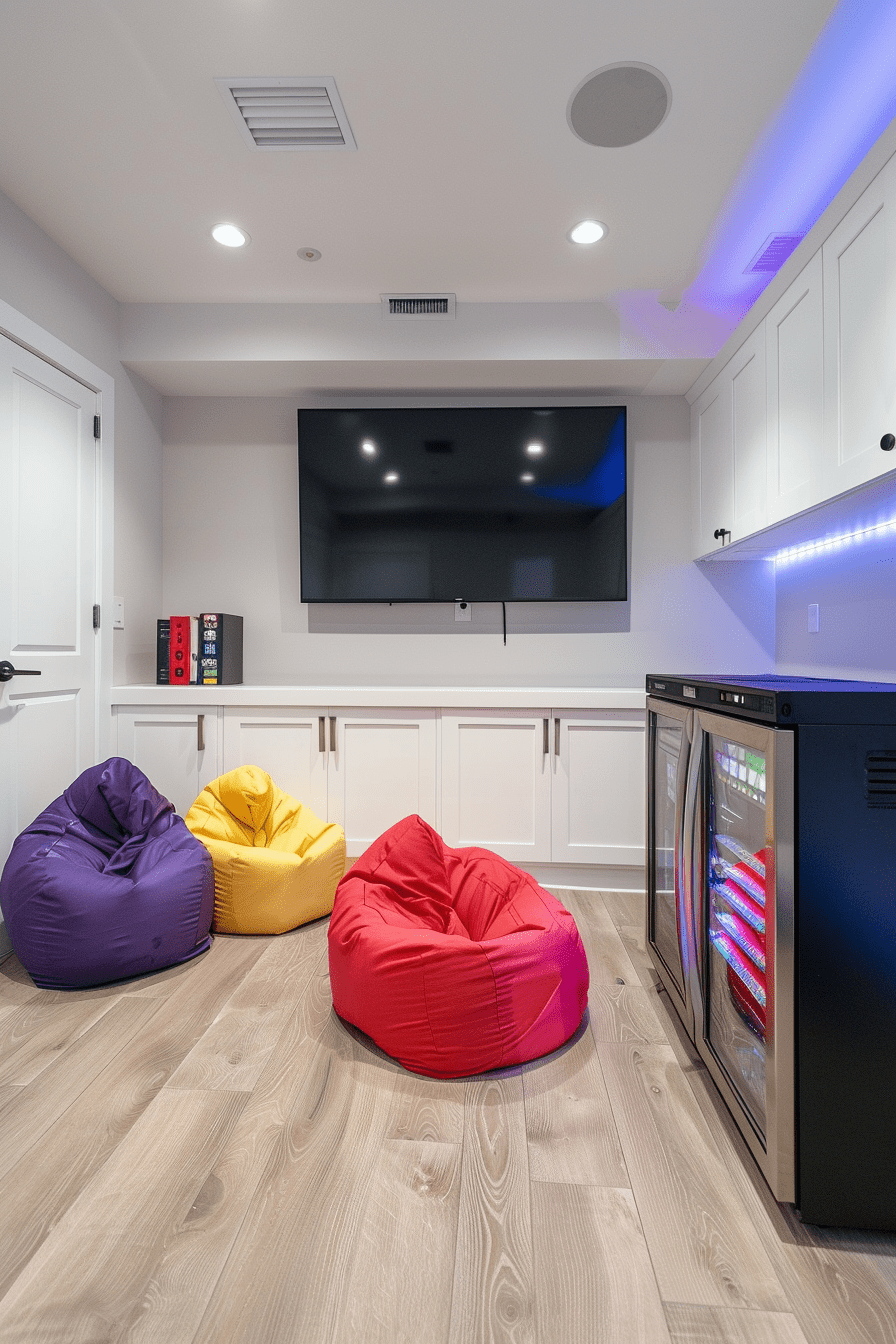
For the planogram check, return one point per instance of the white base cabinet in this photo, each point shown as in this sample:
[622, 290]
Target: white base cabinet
[496, 782]
[538, 786]
[597, 802]
[544, 786]
[177, 748]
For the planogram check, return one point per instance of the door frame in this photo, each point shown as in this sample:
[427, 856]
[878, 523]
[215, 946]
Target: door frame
[21, 330]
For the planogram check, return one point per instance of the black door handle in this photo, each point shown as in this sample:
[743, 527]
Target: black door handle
[7, 671]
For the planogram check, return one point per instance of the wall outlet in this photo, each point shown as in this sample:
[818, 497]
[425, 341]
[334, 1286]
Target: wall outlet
[118, 613]
[463, 611]
[813, 618]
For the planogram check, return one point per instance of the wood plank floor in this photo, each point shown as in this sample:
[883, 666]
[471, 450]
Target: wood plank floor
[210, 1155]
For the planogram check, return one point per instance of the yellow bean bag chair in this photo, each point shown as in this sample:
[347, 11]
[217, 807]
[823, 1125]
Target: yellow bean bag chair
[276, 864]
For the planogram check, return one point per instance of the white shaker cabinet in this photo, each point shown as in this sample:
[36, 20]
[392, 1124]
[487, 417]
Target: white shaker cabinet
[729, 433]
[289, 743]
[598, 788]
[795, 360]
[381, 767]
[363, 769]
[496, 782]
[859, 263]
[177, 748]
[542, 786]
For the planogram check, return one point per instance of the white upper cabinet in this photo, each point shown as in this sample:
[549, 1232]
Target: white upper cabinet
[713, 464]
[795, 362]
[749, 416]
[729, 435]
[859, 262]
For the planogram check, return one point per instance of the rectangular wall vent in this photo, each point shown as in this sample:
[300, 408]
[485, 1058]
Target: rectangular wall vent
[880, 778]
[774, 252]
[302, 112]
[418, 305]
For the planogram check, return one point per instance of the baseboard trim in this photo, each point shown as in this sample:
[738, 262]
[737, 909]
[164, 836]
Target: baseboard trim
[586, 877]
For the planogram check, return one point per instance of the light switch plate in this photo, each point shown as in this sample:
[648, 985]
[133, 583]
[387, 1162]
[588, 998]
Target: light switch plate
[118, 613]
[813, 618]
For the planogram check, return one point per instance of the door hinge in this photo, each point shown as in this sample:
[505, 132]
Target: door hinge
[96, 616]
[96, 427]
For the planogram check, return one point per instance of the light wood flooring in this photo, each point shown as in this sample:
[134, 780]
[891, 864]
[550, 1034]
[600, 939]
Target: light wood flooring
[210, 1155]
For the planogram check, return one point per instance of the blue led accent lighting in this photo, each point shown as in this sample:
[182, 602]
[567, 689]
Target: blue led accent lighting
[604, 484]
[828, 545]
[841, 102]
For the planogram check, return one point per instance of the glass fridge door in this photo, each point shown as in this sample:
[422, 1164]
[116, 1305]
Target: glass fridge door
[735, 967]
[745, 938]
[667, 934]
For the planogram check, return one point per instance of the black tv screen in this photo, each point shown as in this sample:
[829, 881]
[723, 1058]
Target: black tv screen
[445, 504]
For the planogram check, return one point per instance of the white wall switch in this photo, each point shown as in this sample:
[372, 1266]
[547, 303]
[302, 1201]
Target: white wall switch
[463, 611]
[813, 618]
[118, 613]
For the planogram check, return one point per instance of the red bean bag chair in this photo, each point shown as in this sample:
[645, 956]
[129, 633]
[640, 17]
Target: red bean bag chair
[453, 960]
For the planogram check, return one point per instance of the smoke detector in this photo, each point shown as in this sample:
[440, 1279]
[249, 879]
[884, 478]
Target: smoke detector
[298, 112]
[418, 306]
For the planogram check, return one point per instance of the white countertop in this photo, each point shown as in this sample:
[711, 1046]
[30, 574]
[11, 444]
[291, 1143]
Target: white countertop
[421, 697]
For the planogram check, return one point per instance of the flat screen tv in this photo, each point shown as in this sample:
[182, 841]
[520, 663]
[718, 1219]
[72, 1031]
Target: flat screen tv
[475, 504]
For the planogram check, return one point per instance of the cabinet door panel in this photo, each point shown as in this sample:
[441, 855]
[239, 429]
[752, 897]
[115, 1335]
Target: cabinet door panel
[714, 465]
[795, 395]
[598, 804]
[859, 335]
[287, 744]
[177, 749]
[496, 783]
[748, 436]
[383, 768]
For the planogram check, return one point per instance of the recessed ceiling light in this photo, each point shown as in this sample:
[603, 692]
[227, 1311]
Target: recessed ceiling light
[308, 254]
[527, 477]
[368, 447]
[228, 235]
[390, 477]
[535, 449]
[588, 231]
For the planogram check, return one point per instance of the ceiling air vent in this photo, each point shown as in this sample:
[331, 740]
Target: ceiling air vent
[418, 305]
[880, 778]
[774, 252]
[302, 112]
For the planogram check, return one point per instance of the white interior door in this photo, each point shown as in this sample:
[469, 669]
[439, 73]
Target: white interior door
[48, 561]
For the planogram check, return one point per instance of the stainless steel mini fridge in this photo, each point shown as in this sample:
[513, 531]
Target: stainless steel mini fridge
[771, 920]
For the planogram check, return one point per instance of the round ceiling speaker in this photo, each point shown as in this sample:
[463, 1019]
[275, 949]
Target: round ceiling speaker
[619, 105]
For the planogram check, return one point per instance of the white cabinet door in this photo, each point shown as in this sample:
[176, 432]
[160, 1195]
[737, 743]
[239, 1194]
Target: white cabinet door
[598, 794]
[728, 432]
[713, 464]
[290, 744]
[859, 262]
[177, 749]
[381, 767]
[749, 413]
[496, 782]
[795, 361]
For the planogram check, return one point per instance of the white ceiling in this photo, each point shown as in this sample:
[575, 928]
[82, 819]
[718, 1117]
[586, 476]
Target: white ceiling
[466, 178]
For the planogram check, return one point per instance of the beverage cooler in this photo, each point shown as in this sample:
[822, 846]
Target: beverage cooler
[771, 920]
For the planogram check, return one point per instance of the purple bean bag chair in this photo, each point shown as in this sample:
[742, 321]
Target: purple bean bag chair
[106, 883]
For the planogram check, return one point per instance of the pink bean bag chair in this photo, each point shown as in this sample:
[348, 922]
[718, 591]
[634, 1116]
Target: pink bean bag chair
[453, 960]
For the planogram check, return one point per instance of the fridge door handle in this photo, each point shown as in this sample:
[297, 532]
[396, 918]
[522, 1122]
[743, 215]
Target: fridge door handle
[690, 879]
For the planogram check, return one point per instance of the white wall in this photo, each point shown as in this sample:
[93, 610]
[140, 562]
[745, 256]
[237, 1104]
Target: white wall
[855, 590]
[41, 281]
[231, 544]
